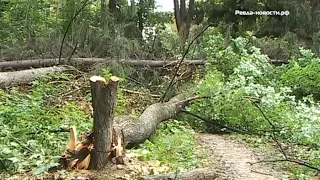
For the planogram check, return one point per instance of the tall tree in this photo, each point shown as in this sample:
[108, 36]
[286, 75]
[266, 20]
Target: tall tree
[183, 17]
[315, 15]
[112, 6]
[103, 13]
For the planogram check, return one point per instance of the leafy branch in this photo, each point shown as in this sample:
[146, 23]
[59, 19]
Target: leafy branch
[181, 61]
[273, 136]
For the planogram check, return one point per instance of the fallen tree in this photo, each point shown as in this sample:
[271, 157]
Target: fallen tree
[87, 62]
[136, 131]
[110, 136]
[26, 76]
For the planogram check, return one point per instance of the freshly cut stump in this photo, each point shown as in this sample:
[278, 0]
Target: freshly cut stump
[104, 96]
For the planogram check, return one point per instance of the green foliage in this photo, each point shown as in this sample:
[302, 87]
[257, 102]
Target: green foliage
[23, 17]
[232, 90]
[173, 145]
[26, 121]
[168, 40]
[303, 75]
[238, 55]
[280, 48]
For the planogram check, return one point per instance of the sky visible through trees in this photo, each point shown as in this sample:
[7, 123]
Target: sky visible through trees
[165, 5]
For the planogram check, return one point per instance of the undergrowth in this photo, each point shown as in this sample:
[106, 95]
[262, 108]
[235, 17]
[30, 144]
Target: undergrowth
[26, 122]
[174, 145]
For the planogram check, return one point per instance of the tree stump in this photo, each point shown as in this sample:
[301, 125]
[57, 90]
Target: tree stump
[104, 95]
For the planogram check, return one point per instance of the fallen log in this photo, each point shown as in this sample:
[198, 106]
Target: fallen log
[26, 76]
[198, 174]
[87, 62]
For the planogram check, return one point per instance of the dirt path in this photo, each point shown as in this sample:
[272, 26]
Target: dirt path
[234, 159]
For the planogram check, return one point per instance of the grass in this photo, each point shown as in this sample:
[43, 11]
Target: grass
[174, 145]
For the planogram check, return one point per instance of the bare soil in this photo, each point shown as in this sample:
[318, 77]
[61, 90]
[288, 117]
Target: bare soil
[235, 158]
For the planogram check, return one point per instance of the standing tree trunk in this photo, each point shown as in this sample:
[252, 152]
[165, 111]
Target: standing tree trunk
[315, 15]
[103, 101]
[183, 17]
[113, 6]
[140, 14]
[177, 14]
[103, 12]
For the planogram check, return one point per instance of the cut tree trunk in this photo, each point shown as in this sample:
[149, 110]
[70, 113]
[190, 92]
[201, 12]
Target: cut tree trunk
[198, 174]
[104, 95]
[87, 62]
[26, 76]
[127, 132]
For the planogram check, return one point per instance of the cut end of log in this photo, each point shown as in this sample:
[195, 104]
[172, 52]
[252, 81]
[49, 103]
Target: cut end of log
[114, 78]
[97, 78]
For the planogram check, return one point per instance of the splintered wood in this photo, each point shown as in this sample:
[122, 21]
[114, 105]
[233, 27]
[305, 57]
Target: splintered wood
[78, 154]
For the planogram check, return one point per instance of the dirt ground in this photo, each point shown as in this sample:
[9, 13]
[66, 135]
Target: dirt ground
[235, 158]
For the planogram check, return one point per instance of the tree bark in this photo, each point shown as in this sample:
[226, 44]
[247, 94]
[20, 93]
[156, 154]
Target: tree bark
[103, 12]
[136, 131]
[113, 6]
[140, 15]
[104, 96]
[198, 174]
[183, 19]
[177, 14]
[87, 62]
[188, 17]
[26, 76]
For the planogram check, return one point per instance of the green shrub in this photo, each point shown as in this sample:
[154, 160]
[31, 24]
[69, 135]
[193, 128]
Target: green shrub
[303, 76]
